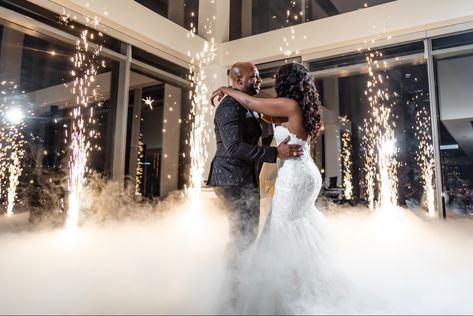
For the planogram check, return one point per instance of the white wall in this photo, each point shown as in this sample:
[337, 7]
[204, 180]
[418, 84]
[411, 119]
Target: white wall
[331, 112]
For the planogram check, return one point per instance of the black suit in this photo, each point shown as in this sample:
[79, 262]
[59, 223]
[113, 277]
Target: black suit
[234, 172]
[238, 158]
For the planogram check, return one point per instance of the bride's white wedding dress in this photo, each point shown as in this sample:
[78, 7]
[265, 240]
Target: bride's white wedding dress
[289, 270]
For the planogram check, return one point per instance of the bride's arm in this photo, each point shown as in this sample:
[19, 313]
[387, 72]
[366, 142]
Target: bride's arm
[277, 107]
[273, 119]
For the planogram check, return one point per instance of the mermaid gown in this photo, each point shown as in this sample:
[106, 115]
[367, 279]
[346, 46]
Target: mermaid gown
[288, 269]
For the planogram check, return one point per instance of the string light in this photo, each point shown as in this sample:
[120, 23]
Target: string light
[139, 167]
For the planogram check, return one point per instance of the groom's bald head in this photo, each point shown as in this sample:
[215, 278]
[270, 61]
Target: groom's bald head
[244, 76]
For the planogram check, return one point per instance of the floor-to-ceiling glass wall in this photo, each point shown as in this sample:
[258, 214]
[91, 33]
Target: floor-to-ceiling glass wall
[453, 68]
[145, 134]
[158, 119]
[182, 12]
[49, 69]
[41, 86]
[377, 137]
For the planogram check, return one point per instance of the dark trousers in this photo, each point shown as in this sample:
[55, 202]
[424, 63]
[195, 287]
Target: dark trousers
[242, 205]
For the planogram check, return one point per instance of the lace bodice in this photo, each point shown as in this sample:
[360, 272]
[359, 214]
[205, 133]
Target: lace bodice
[298, 182]
[281, 133]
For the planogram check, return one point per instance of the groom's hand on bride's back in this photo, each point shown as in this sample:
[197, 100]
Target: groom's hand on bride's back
[286, 150]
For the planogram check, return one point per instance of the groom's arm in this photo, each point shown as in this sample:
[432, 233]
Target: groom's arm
[268, 133]
[229, 120]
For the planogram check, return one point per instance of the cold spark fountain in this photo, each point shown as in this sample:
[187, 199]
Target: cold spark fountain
[12, 144]
[199, 96]
[347, 159]
[379, 141]
[85, 66]
[425, 158]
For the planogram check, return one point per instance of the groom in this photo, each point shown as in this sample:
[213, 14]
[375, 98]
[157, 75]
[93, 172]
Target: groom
[234, 172]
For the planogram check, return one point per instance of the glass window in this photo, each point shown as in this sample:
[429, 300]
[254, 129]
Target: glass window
[360, 153]
[155, 136]
[159, 62]
[452, 41]
[259, 16]
[267, 71]
[182, 12]
[42, 81]
[145, 134]
[456, 133]
[158, 6]
[47, 17]
[39, 95]
[357, 58]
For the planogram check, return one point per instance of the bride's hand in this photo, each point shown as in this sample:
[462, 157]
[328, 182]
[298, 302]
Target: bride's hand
[219, 94]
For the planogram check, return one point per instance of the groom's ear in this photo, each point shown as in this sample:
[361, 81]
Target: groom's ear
[240, 81]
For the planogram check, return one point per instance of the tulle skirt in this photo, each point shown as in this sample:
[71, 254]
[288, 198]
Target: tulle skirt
[289, 270]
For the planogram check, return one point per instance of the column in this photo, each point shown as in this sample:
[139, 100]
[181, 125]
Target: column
[435, 125]
[333, 163]
[121, 114]
[169, 173]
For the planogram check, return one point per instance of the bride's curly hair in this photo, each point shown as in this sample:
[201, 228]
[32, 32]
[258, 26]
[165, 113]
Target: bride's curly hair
[294, 81]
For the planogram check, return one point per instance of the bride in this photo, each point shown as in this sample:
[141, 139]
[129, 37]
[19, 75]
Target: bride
[289, 270]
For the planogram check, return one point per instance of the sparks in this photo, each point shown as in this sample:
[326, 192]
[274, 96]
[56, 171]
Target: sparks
[347, 160]
[200, 132]
[425, 158]
[85, 62]
[286, 47]
[379, 142]
[65, 17]
[12, 144]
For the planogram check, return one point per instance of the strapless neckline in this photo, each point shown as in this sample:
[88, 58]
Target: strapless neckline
[291, 133]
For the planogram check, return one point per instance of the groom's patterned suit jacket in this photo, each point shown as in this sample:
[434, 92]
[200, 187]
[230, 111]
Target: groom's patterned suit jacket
[238, 158]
